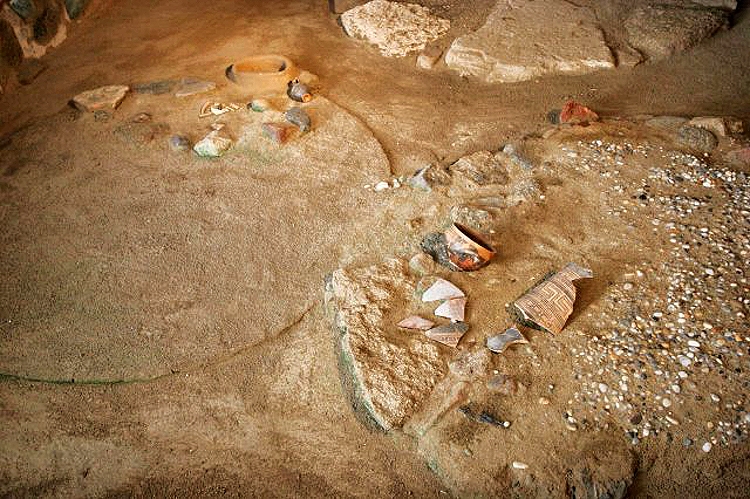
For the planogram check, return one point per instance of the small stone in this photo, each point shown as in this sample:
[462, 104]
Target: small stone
[519, 465]
[687, 442]
[666, 402]
[603, 388]
[192, 86]
[213, 145]
[179, 143]
[544, 401]
[381, 186]
[706, 447]
[694, 344]
[299, 117]
[277, 132]
[715, 398]
[75, 7]
[259, 105]
[101, 99]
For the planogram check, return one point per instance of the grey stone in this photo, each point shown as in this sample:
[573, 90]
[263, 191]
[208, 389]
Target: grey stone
[299, 117]
[75, 7]
[397, 29]
[192, 86]
[24, 8]
[658, 31]
[697, 138]
[513, 45]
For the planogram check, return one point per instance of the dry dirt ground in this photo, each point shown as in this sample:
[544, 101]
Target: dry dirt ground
[162, 322]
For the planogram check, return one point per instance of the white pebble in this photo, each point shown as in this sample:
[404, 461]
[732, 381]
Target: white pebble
[381, 186]
[519, 465]
[706, 447]
[666, 402]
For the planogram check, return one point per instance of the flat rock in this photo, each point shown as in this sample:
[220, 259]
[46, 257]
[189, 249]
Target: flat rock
[397, 29]
[101, 99]
[191, 86]
[658, 31]
[525, 39]
[387, 374]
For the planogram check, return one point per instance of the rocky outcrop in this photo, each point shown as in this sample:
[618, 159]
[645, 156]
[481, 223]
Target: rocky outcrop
[516, 44]
[397, 29]
[659, 31]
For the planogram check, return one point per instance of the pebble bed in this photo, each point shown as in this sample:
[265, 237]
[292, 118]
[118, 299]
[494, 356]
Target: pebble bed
[671, 355]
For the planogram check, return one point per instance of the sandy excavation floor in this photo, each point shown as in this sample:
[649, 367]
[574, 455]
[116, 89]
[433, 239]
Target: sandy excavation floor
[162, 326]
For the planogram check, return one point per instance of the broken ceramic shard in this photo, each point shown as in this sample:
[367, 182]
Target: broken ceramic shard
[548, 305]
[416, 322]
[500, 342]
[449, 334]
[442, 290]
[466, 249]
[452, 309]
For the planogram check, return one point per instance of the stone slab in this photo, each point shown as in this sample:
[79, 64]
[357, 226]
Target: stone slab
[525, 39]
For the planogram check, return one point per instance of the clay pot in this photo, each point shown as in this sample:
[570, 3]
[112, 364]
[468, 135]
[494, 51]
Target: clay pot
[263, 74]
[466, 249]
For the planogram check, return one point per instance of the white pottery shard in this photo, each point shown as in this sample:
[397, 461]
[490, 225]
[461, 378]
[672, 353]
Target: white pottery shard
[416, 322]
[452, 309]
[442, 290]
